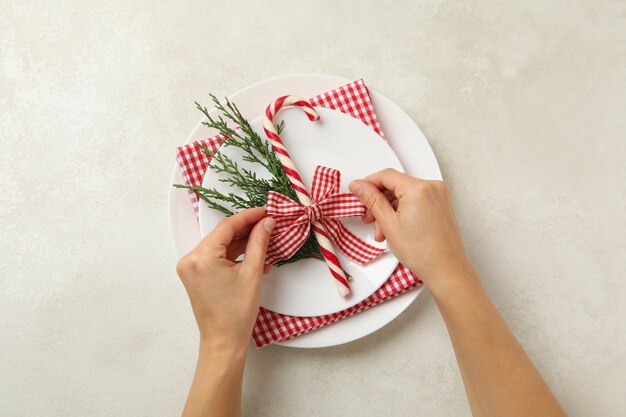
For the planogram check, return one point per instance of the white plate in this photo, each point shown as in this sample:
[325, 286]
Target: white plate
[402, 134]
[339, 141]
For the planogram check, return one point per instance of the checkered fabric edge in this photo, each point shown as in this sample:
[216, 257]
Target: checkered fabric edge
[273, 327]
[193, 163]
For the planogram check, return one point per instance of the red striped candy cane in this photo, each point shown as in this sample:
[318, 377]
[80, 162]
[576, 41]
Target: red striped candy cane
[296, 181]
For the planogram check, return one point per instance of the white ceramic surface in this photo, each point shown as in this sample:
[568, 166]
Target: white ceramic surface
[339, 141]
[401, 133]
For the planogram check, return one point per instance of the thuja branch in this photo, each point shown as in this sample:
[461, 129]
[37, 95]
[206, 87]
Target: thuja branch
[255, 151]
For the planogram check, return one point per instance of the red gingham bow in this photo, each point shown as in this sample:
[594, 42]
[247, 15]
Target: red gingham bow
[293, 220]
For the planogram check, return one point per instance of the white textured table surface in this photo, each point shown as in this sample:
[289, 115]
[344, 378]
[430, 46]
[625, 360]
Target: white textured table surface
[524, 104]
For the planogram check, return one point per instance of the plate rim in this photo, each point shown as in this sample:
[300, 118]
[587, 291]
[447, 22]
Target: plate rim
[396, 305]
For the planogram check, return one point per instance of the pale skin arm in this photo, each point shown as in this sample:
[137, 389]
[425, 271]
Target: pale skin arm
[224, 296]
[417, 219]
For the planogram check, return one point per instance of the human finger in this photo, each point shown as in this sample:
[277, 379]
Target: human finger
[244, 233]
[374, 200]
[368, 218]
[389, 179]
[379, 236]
[256, 249]
[228, 228]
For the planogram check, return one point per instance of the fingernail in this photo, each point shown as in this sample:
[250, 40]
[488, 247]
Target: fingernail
[356, 187]
[268, 224]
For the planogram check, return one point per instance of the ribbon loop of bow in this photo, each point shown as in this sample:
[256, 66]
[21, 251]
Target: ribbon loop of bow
[294, 221]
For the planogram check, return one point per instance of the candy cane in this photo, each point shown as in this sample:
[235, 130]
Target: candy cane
[296, 181]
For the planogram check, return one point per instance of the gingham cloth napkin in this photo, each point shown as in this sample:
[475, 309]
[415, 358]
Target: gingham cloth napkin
[352, 99]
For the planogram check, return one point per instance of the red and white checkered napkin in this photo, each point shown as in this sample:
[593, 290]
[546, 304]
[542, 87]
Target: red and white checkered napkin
[352, 99]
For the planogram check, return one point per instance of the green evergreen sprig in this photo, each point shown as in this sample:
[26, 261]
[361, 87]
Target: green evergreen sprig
[254, 188]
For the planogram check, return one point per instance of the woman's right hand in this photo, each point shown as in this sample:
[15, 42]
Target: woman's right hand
[417, 219]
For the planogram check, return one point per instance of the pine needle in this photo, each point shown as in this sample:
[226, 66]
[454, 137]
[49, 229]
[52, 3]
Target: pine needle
[255, 151]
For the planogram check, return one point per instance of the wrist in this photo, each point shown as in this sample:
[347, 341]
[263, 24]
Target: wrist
[223, 350]
[457, 276]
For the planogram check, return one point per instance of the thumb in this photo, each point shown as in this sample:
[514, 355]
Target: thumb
[256, 248]
[374, 200]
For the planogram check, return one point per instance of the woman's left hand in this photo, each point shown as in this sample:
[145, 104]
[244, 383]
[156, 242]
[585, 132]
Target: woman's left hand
[224, 293]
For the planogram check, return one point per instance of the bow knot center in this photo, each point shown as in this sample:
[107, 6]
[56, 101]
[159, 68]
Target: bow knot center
[313, 212]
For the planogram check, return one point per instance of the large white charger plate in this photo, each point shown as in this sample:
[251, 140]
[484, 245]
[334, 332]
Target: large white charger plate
[402, 134]
[338, 141]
